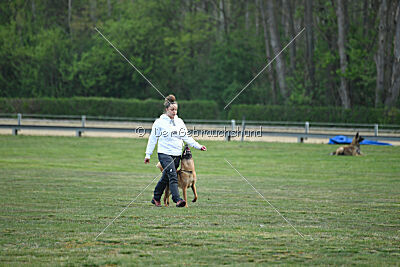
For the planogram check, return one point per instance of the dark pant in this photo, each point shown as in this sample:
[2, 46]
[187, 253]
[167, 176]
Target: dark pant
[169, 175]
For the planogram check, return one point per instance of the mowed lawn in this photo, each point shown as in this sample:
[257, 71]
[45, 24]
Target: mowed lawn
[58, 193]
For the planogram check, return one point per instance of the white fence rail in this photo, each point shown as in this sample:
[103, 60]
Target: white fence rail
[301, 130]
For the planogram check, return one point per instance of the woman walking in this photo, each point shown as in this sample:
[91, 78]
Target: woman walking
[169, 130]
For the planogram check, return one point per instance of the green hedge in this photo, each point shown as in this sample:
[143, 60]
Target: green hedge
[93, 106]
[315, 114]
[196, 109]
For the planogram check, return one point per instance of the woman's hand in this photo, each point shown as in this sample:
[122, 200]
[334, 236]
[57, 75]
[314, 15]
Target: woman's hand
[203, 148]
[146, 160]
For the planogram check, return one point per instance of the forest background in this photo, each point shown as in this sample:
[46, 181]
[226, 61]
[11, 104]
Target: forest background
[348, 55]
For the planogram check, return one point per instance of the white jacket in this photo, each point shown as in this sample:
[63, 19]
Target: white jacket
[169, 133]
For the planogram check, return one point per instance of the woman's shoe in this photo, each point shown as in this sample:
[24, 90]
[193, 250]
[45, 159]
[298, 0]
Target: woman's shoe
[155, 202]
[181, 203]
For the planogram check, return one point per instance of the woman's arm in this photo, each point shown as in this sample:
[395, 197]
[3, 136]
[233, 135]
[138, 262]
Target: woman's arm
[151, 143]
[189, 139]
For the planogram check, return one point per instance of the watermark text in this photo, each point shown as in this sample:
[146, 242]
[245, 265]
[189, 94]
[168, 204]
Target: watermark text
[193, 132]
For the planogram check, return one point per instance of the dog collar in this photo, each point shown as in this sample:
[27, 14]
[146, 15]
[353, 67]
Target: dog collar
[184, 171]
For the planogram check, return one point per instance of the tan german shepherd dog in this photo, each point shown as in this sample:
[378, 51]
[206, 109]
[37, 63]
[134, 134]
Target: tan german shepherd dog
[186, 176]
[351, 150]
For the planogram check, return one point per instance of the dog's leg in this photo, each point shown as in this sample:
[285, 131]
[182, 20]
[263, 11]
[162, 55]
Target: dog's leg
[166, 191]
[194, 192]
[340, 151]
[184, 190]
[166, 196]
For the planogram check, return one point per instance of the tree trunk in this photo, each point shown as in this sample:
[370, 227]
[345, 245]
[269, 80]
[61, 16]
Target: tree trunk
[69, 16]
[343, 90]
[247, 17]
[284, 16]
[93, 6]
[270, 71]
[109, 8]
[365, 17]
[222, 14]
[256, 18]
[308, 20]
[292, 49]
[33, 10]
[276, 48]
[380, 54]
[393, 92]
[390, 34]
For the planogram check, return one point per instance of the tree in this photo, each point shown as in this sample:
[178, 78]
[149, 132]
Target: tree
[204, 49]
[343, 90]
[270, 71]
[276, 48]
[380, 54]
[308, 19]
[289, 5]
[69, 16]
[393, 92]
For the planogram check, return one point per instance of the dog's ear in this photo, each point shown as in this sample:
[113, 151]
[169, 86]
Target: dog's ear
[357, 135]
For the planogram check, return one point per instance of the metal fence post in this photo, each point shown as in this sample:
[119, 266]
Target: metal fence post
[243, 127]
[227, 135]
[19, 119]
[307, 127]
[83, 120]
[79, 132]
[376, 130]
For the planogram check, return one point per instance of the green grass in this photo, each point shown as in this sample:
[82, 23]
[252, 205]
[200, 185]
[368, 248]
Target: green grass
[58, 193]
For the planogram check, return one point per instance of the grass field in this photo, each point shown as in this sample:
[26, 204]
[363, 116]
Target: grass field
[58, 193]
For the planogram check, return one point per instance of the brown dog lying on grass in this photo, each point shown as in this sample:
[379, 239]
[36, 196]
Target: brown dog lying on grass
[351, 150]
[186, 176]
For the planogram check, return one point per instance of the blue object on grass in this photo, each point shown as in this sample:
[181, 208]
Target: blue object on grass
[341, 139]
